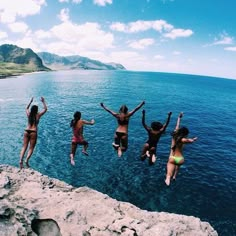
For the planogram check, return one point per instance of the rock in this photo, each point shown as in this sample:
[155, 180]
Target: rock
[34, 204]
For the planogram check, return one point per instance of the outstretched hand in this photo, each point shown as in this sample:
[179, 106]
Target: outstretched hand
[170, 113]
[32, 99]
[92, 121]
[42, 99]
[101, 104]
[181, 114]
[143, 112]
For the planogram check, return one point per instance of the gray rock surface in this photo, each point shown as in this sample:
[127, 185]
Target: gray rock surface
[33, 204]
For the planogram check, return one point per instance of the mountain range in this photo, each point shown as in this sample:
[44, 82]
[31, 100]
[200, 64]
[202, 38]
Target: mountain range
[15, 60]
[56, 62]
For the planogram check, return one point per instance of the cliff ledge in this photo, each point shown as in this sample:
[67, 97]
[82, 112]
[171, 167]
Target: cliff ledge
[33, 204]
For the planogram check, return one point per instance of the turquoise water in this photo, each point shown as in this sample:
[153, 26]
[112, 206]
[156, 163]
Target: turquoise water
[206, 184]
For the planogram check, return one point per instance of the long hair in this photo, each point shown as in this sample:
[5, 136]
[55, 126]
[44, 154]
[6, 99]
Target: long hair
[123, 109]
[178, 135]
[32, 115]
[77, 116]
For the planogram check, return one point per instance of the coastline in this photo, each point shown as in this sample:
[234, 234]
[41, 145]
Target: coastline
[31, 201]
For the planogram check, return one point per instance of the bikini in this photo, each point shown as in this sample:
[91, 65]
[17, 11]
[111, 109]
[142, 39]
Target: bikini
[29, 131]
[78, 137]
[119, 135]
[177, 159]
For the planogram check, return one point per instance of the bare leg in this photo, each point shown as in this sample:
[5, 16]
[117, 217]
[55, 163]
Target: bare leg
[176, 171]
[24, 148]
[84, 151]
[32, 141]
[116, 142]
[72, 155]
[145, 148]
[124, 145]
[119, 152]
[152, 155]
[72, 162]
[170, 171]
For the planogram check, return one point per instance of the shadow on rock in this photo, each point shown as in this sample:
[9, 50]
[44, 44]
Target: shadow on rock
[44, 227]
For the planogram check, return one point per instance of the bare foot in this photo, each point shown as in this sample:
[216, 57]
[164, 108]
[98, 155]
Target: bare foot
[153, 158]
[27, 164]
[115, 145]
[21, 165]
[72, 162]
[85, 153]
[147, 154]
[119, 152]
[167, 181]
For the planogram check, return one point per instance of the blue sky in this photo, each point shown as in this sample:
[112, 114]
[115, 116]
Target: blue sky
[179, 36]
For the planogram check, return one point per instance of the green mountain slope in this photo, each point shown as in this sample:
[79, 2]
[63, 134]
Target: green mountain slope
[15, 60]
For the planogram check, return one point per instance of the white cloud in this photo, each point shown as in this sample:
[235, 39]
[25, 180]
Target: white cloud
[117, 26]
[176, 53]
[77, 1]
[3, 35]
[159, 57]
[63, 1]
[10, 11]
[64, 15]
[230, 49]
[129, 59]
[18, 27]
[68, 38]
[160, 26]
[139, 26]
[142, 43]
[102, 2]
[41, 34]
[176, 33]
[224, 40]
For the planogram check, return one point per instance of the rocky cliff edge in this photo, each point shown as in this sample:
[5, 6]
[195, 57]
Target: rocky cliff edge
[33, 204]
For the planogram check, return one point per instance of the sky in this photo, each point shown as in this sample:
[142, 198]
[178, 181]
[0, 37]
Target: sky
[177, 36]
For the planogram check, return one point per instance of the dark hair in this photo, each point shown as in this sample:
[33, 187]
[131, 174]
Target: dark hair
[32, 115]
[155, 125]
[77, 116]
[123, 109]
[178, 135]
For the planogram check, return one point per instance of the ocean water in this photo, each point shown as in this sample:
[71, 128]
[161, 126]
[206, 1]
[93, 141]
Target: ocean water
[206, 184]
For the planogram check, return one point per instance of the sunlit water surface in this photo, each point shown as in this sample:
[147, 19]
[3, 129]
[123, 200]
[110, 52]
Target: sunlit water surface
[206, 185]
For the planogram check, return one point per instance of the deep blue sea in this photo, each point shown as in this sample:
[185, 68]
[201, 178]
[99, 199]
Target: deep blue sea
[206, 184]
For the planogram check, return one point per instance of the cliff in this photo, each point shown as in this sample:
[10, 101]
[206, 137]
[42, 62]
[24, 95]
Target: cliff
[34, 204]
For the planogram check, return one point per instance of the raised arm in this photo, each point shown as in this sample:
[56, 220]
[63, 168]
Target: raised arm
[178, 120]
[167, 122]
[28, 106]
[189, 140]
[136, 108]
[44, 107]
[89, 122]
[143, 121]
[108, 110]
